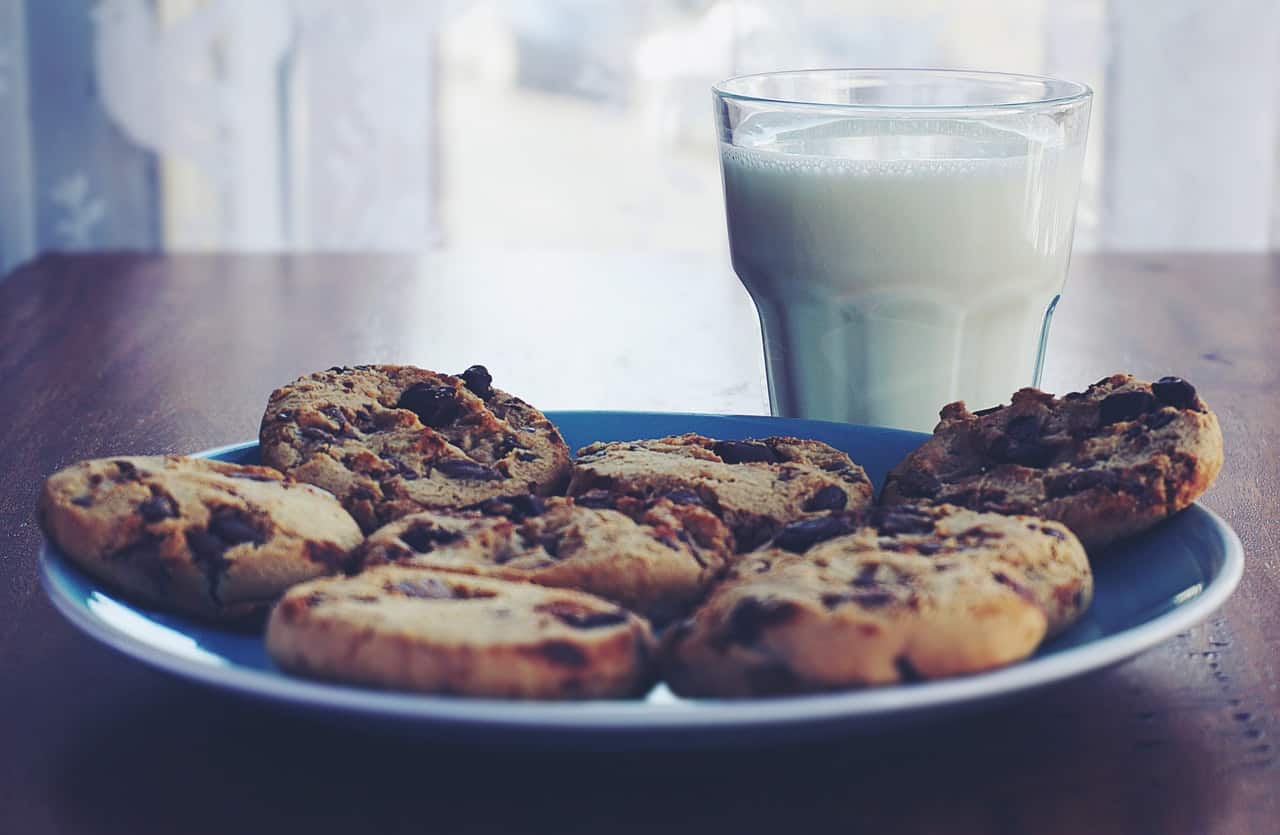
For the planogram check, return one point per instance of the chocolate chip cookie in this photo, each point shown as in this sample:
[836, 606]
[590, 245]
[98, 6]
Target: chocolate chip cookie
[389, 440]
[1109, 462]
[879, 596]
[755, 485]
[444, 632]
[192, 535]
[659, 563]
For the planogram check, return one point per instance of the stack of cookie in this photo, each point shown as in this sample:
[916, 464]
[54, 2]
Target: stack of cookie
[427, 531]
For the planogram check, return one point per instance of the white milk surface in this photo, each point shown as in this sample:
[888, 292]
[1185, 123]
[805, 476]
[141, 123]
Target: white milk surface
[892, 283]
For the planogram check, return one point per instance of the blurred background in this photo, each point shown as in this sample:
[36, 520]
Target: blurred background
[250, 125]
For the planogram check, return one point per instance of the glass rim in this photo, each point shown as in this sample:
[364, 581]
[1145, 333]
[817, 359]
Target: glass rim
[1067, 92]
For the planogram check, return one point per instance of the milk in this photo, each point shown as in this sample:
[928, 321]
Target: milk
[897, 268]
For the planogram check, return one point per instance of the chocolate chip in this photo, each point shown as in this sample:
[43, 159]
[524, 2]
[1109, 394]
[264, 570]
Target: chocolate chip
[334, 413]
[906, 670]
[903, 520]
[435, 406]
[426, 588]
[207, 549]
[478, 379]
[988, 411]
[830, 497]
[314, 433]
[752, 615]
[424, 538]
[551, 544]
[506, 446]
[872, 599]
[204, 545]
[1023, 428]
[337, 369]
[1020, 443]
[126, 471]
[866, 576]
[234, 526]
[1124, 405]
[329, 554]
[831, 599]
[516, 508]
[597, 499]
[526, 456]
[918, 484]
[1054, 532]
[751, 533]
[145, 550]
[315, 599]
[463, 469]
[1137, 434]
[156, 508]
[82, 501]
[668, 538]
[564, 653]
[798, 537]
[579, 617]
[742, 452]
[1156, 420]
[1069, 483]
[526, 505]
[928, 549]
[978, 534]
[1176, 392]
[682, 496]
[1016, 587]
[402, 469]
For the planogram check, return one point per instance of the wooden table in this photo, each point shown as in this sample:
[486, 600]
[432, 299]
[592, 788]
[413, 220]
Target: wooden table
[106, 354]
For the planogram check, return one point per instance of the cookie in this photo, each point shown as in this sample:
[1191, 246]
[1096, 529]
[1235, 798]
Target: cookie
[196, 536]
[444, 632]
[658, 564]
[389, 440]
[880, 596]
[755, 485]
[1108, 462]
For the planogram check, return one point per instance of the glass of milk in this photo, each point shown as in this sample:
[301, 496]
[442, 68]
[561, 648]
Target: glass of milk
[904, 233]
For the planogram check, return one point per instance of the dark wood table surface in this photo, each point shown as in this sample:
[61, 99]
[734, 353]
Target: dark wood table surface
[105, 354]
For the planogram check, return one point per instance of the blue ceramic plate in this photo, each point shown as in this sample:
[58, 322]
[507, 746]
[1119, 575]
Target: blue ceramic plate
[1147, 590]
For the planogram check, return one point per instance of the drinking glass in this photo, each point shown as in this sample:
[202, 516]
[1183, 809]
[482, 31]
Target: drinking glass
[904, 234]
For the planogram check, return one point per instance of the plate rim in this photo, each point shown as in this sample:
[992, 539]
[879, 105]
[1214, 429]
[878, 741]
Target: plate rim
[634, 716]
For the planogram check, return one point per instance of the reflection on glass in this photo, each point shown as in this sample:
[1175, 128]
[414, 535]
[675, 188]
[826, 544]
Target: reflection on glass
[1186, 594]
